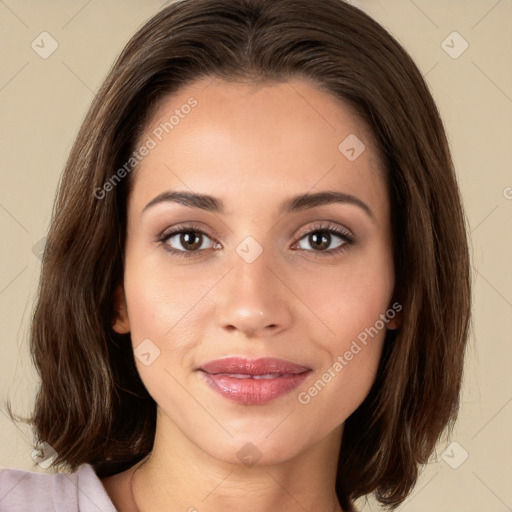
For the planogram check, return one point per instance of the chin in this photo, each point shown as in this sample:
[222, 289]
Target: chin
[257, 447]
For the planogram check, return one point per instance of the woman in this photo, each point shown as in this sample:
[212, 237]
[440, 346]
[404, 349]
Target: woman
[255, 293]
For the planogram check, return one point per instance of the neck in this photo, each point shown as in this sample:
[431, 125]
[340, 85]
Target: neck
[178, 475]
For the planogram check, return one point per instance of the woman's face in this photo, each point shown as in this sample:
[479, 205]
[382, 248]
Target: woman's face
[253, 274]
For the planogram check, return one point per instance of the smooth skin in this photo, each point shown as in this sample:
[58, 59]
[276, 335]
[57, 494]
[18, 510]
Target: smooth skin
[252, 147]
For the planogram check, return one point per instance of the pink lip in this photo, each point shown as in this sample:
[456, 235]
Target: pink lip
[237, 378]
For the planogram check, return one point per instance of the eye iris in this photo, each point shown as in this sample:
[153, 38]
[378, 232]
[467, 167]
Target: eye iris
[321, 241]
[187, 236]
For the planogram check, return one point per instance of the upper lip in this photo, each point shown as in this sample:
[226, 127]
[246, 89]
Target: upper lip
[262, 366]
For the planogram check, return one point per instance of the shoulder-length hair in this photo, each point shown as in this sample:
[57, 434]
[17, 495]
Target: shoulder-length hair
[92, 406]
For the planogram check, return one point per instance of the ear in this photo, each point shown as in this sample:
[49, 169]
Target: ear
[121, 323]
[395, 316]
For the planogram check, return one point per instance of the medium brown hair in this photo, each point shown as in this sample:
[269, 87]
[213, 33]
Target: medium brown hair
[92, 406]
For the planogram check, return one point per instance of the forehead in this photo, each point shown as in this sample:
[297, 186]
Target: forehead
[270, 141]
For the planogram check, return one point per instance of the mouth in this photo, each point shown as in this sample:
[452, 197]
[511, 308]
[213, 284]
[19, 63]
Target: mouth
[253, 382]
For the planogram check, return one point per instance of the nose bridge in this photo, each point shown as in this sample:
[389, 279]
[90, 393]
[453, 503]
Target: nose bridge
[251, 299]
[252, 269]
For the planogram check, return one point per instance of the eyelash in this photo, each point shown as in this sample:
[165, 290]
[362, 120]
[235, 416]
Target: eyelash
[345, 235]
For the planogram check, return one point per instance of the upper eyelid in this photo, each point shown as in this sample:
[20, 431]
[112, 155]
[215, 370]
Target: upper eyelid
[175, 230]
[325, 226]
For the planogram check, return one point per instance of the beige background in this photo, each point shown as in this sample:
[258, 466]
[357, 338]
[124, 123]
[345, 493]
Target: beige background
[42, 102]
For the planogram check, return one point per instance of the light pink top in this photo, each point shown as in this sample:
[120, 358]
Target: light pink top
[26, 491]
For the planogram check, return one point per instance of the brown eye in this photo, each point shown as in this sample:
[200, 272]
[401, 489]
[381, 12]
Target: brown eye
[321, 240]
[183, 240]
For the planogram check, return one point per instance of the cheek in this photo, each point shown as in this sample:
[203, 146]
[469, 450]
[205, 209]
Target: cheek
[355, 305]
[169, 306]
[350, 301]
[160, 298]
[152, 306]
[348, 372]
[161, 322]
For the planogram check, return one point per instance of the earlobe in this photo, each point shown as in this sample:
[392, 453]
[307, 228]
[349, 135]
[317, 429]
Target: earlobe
[120, 323]
[395, 320]
[395, 323]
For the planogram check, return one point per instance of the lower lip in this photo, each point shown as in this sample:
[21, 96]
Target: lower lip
[253, 391]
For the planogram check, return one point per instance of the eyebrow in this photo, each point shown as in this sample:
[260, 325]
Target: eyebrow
[294, 204]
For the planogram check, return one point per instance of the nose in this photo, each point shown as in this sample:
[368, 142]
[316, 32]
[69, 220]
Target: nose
[253, 300]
